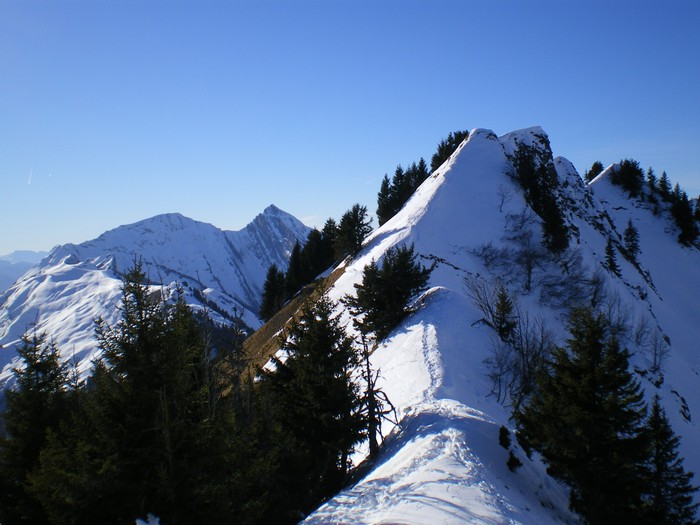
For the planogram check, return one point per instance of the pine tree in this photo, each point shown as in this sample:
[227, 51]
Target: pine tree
[447, 147]
[315, 410]
[631, 240]
[683, 216]
[294, 277]
[385, 293]
[384, 201]
[586, 420]
[595, 170]
[34, 407]
[273, 295]
[652, 180]
[630, 176]
[665, 187]
[353, 228]
[503, 318]
[611, 258]
[668, 493]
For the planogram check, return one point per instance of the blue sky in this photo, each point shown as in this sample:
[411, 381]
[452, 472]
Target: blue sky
[112, 112]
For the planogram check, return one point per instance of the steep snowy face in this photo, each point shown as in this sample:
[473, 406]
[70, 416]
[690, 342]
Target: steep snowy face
[471, 219]
[77, 283]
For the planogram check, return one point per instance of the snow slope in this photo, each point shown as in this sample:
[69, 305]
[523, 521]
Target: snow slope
[443, 464]
[77, 283]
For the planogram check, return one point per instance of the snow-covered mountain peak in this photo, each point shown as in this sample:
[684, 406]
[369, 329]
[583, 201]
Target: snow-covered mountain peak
[471, 219]
[223, 271]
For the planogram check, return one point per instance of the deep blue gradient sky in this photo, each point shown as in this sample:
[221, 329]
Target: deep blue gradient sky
[111, 112]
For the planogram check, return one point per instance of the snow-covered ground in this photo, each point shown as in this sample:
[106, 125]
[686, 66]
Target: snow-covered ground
[444, 464]
[75, 284]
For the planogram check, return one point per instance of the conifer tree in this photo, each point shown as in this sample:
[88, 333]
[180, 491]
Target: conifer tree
[503, 318]
[385, 293]
[586, 420]
[294, 277]
[315, 410]
[631, 240]
[652, 180]
[35, 407]
[595, 170]
[683, 216]
[353, 228]
[668, 491]
[447, 147]
[665, 187]
[630, 176]
[384, 201]
[273, 295]
[611, 258]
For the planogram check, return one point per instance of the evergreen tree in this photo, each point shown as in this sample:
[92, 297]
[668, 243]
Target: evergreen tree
[611, 258]
[586, 420]
[274, 293]
[294, 277]
[595, 170]
[385, 209]
[696, 210]
[329, 234]
[353, 228]
[629, 175]
[669, 493]
[34, 407]
[385, 293]
[315, 411]
[447, 147]
[313, 258]
[631, 240]
[538, 178]
[652, 180]
[504, 318]
[665, 187]
[683, 215]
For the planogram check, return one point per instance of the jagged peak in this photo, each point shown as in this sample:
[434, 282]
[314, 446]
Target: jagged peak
[533, 137]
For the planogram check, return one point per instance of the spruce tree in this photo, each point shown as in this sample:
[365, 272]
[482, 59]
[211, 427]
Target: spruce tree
[629, 175]
[665, 187]
[34, 407]
[683, 216]
[447, 147]
[273, 295]
[504, 321]
[631, 240]
[611, 258]
[384, 294]
[668, 491]
[294, 276]
[314, 407]
[353, 228]
[595, 170]
[586, 420]
[384, 201]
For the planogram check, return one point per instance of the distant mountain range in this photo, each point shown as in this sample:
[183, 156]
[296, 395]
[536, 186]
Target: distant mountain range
[15, 264]
[222, 271]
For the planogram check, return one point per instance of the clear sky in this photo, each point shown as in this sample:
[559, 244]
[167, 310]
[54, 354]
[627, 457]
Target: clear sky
[115, 111]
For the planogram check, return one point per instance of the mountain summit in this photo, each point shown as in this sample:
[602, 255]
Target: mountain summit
[77, 283]
[441, 367]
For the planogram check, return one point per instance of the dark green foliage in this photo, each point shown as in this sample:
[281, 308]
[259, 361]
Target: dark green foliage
[586, 420]
[294, 278]
[696, 210]
[394, 194]
[146, 436]
[669, 492]
[504, 319]
[34, 407]
[538, 178]
[385, 293]
[274, 293]
[665, 187]
[682, 213]
[353, 228]
[652, 180]
[513, 462]
[504, 437]
[314, 412]
[595, 170]
[629, 175]
[316, 256]
[447, 147]
[611, 258]
[631, 240]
